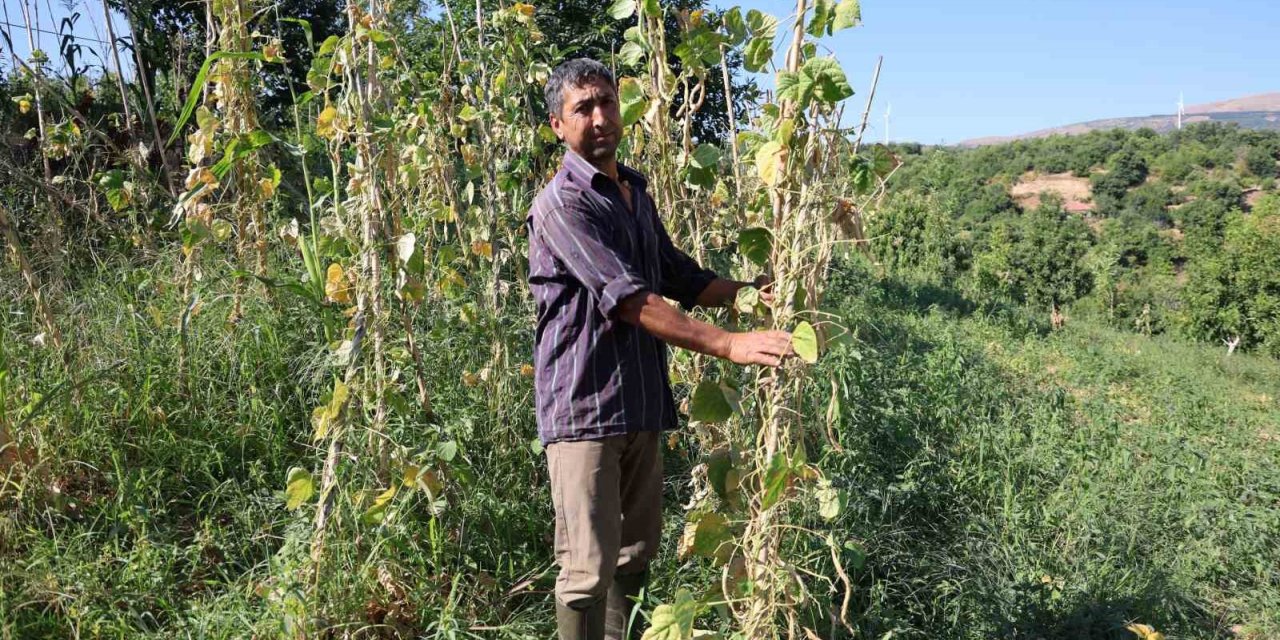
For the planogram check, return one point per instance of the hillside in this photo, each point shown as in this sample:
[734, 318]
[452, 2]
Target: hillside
[1260, 111]
[1160, 233]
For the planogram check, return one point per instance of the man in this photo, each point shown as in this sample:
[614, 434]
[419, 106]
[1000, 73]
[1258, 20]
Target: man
[600, 263]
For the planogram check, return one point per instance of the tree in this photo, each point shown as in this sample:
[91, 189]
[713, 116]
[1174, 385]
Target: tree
[584, 28]
[914, 232]
[1050, 259]
[1259, 162]
[1234, 293]
[171, 36]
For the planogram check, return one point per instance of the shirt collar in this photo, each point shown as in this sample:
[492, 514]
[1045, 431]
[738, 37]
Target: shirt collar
[580, 169]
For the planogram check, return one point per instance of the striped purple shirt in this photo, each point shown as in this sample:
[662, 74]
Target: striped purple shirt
[596, 375]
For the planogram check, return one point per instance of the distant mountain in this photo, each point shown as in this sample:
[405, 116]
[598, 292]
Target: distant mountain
[1251, 112]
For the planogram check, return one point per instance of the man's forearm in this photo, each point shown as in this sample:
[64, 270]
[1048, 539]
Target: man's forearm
[720, 292]
[650, 312]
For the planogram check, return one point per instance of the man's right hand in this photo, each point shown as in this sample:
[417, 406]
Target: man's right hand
[766, 348]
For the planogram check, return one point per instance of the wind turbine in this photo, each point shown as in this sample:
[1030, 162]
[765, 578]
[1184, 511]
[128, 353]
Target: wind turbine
[1180, 110]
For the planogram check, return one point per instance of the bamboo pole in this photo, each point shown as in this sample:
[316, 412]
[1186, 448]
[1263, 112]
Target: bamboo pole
[54, 222]
[151, 109]
[115, 56]
[733, 123]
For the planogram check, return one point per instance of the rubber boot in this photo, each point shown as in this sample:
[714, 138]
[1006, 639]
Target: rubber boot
[621, 601]
[581, 624]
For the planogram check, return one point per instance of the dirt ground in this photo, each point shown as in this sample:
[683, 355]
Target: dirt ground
[1075, 193]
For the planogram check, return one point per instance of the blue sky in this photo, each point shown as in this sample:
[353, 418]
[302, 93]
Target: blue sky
[954, 71]
[958, 70]
[46, 16]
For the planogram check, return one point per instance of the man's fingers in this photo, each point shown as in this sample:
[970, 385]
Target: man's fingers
[766, 360]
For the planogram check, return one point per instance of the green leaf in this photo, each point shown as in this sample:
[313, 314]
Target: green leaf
[622, 9]
[804, 340]
[700, 50]
[256, 139]
[756, 245]
[711, 537]
[861, 175]
[630, 54]
[221, 230]
[673, 621]
[632, 99]
[409, 252]
[776, 480]
[448, 450]
[719, 466]
[118, 199]
[704, 178]
[735, 27]
[761, 23]
[706, 156]
[883, 161]
[746, 299]
[713, 402]
[857, 556]
[651, 8]
[819, 79]
[821, 18]
[299, 487]
[758, 53]
[848, 14]
[830, 500]
[329, 45]
[378, 511]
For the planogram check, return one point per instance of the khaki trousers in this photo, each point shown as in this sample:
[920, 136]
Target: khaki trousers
[608, 501]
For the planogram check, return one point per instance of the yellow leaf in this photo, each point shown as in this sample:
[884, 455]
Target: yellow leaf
[271, 52]
[325, 122]
[470, 154]
[267, 187]
[430, 482]
[470, 379]
[24, 106]
[771, 160]
[199, 146]
[201, 175]
[410, 475]
[336, 287]
[1145, 631]
[523, 9]
[482, 249]
[526, 370]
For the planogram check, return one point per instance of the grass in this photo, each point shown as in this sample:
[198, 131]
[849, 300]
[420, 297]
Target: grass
[1002, 480]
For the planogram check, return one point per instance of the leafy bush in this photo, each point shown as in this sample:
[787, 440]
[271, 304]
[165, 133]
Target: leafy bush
[1234, 293]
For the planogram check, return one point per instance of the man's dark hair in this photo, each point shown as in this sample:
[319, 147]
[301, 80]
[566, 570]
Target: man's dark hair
[573, 73]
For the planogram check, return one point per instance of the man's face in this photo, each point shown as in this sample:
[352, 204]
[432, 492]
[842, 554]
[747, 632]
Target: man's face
[590, 121]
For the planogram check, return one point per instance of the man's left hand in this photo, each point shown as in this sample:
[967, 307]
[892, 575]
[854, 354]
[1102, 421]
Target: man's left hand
[764, 284]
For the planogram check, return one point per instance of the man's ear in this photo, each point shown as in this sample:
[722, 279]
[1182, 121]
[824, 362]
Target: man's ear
[555, 126]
